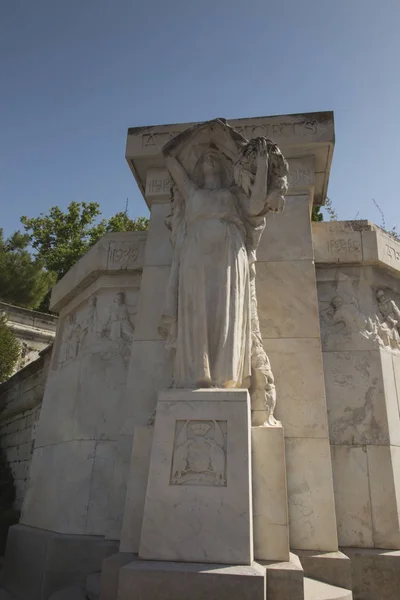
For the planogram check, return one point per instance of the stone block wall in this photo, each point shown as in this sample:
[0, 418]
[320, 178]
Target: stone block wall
[20, 404]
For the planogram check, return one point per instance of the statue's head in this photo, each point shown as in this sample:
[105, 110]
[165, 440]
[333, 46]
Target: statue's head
[119, 298]
[380, 295]
[337, 302]
[211, 163]
[93, 301]
[212, 168]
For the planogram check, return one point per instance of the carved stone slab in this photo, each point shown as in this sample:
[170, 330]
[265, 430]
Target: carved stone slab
[199, 503]
[305, 139]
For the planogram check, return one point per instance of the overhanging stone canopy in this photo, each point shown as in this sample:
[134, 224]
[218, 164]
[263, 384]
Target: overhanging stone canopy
[306, 140]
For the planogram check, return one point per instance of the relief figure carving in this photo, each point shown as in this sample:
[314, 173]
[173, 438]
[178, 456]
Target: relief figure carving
[223, 186]
[86, 335]
[199, 456]
[343, 317]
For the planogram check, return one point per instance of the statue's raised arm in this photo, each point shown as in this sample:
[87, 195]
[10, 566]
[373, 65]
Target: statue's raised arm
[182, 180]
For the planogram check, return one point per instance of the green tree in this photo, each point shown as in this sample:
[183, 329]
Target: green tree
[61, 238]
[10, 350]
[23, 280]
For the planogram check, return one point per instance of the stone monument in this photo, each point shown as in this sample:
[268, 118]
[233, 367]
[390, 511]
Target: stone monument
[221, 413]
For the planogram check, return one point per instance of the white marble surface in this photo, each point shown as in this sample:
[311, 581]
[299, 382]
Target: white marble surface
[310, 495]
[301, 404]
[59, 488]
[190, 507]
[287, 299]
[151, 302]
[270, 508]
[108, 487]
[384, 483]
[334, 243]
[352, 496]
[158, 251]
[390, 363]
[136, 489]
[355, 398]
[150, 371]
[287, 236]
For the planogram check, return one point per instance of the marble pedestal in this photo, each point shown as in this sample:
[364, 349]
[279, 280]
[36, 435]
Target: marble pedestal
[198, 505]
[270, 506]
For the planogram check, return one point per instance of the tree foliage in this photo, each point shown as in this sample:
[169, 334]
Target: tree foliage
[316, 214]
[10, 350]
[61, 238]
[23, 280]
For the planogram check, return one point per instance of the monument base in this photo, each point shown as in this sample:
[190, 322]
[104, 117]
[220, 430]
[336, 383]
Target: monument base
[331, 567]
[38, 562]
[180, 581]
[198, 505]
[375, 573]
[138, 579]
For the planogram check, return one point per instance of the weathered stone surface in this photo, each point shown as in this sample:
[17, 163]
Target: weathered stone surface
[136, 489]
[39, 563]
[151, 370]
[375, 573]
[154, 282]
[60, 502]
[317, 590]
[312, 517]
[110, 574]
[329, 567]
[352, 496]
[92, 586]
[301, 403]
[287, 300]
[158, 250]
[355, 398]
[285, 579]
[384, 481]
[72, 592]
[287, 236]
[180, 581]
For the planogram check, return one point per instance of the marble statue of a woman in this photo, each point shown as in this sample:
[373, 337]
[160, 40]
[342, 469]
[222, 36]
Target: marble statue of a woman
[218, 215]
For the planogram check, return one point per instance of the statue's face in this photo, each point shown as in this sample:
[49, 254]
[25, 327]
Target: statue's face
[119, 299]
[211, 164]
[337, 302]
[380, 294]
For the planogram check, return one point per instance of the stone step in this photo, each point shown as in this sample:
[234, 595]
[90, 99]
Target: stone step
[316, 590]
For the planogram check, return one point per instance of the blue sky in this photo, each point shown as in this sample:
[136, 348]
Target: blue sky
[74, 75]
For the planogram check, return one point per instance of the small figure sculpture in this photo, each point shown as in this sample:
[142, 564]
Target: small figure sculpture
[390, 328]
[118, 325]
[199, 455]
[388, 310]
[346, 314]
[223, 188]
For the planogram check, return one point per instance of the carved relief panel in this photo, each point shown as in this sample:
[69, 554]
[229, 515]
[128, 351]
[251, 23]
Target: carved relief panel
[199, 455]
[103, 324]
[358, 310]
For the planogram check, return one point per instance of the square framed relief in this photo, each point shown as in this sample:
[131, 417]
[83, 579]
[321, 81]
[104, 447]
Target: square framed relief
[199, 453]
